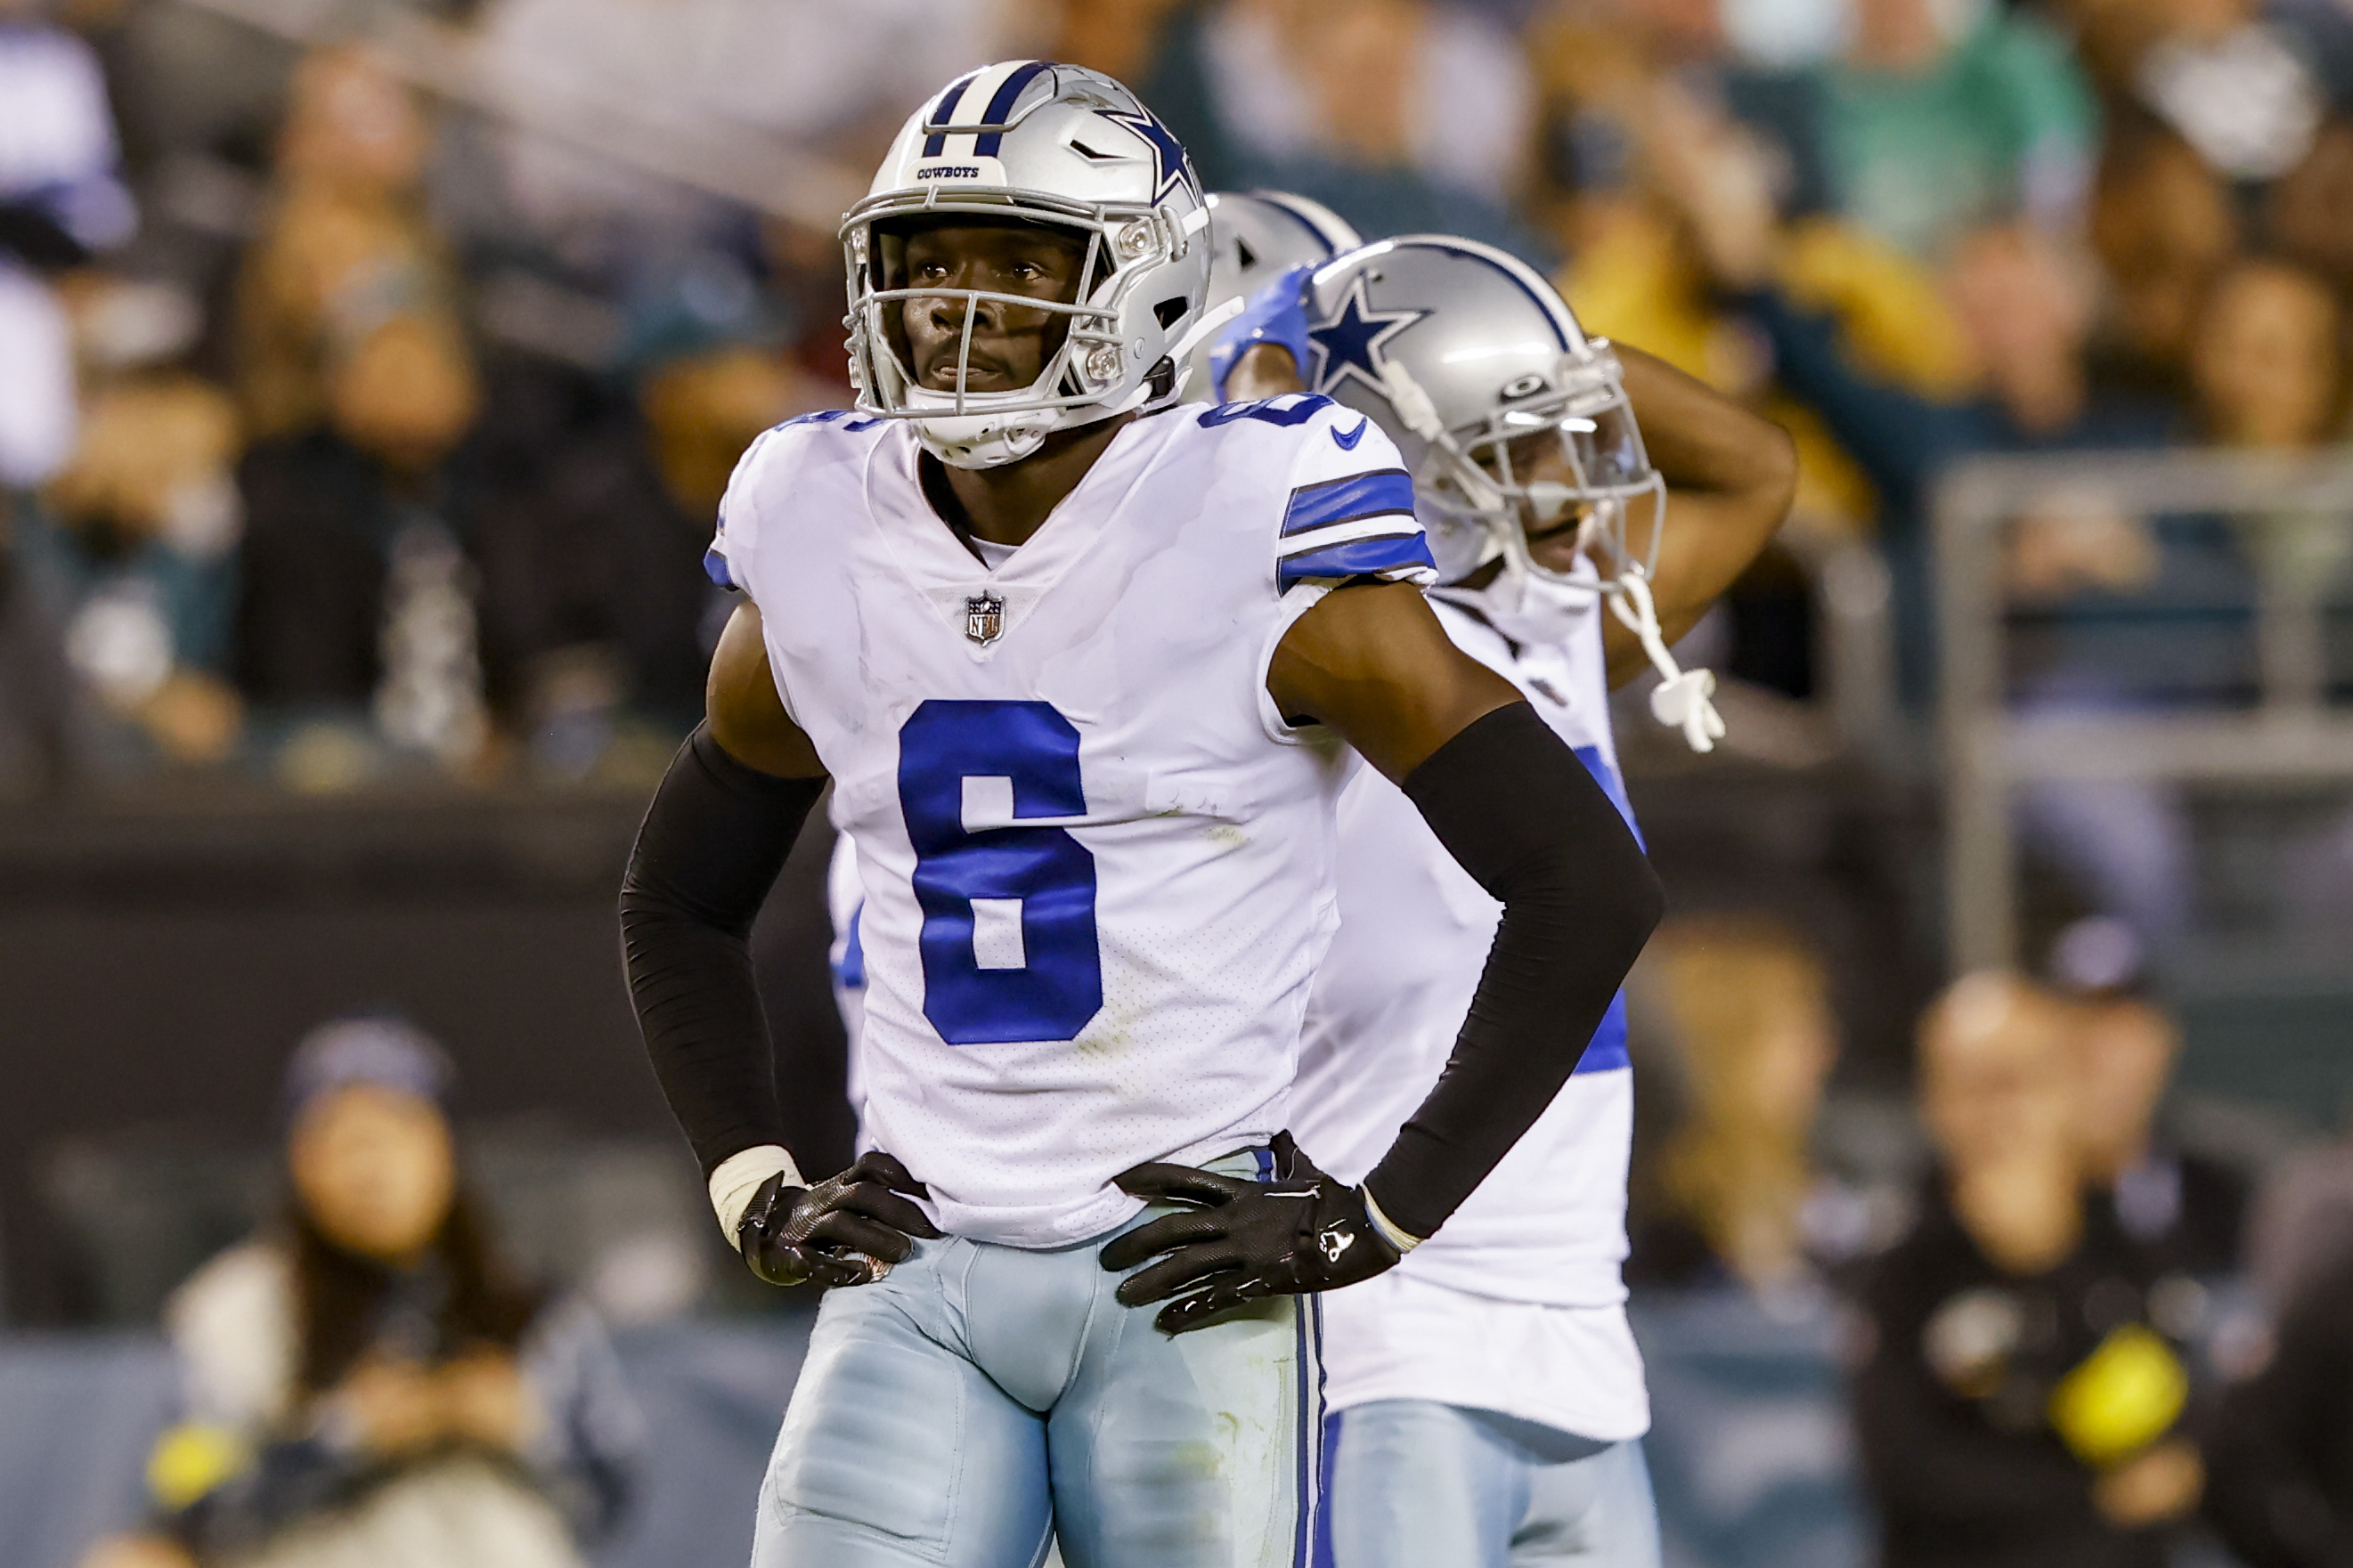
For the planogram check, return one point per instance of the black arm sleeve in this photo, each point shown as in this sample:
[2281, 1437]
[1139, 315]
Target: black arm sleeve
[707, 853]
[1514, 806]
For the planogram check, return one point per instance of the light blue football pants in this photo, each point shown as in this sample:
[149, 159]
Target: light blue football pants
[1413, 1484]
[977, 1396]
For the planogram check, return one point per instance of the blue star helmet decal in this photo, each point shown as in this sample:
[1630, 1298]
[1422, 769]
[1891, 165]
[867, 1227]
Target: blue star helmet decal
[1349, 344]
[1170, 167]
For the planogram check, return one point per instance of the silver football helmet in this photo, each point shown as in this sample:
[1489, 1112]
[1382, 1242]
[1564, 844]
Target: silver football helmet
[1045, 143]
[1254, 236]
[1468, 358]
[1476, 367]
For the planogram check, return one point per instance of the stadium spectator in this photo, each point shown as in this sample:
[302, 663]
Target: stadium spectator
[364, 1382]
[2308, 214]
[1733, 1192]
[584, 515]
[2247, 83]
[139, 544]
[1937, 119]
[2018, 1406]
[358, 382]
[2187, 1209]
[59, 204]
[2163, 225]
[2265, 359]
[1403, 116]
[2024, 305]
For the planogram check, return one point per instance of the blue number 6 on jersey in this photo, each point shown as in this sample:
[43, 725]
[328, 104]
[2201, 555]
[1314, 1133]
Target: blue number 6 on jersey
[1008, 939]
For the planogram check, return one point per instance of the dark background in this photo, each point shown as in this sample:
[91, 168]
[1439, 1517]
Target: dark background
[158, 963]
[157, 967]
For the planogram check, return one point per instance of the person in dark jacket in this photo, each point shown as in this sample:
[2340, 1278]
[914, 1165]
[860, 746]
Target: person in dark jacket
[2017, 1408]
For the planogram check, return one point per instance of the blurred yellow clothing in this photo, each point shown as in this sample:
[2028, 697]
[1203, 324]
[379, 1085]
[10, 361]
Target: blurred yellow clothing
[1896, 324]
[190, 1460]
[1634, 281]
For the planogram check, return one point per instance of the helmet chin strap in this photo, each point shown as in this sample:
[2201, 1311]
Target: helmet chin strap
[1683, 697]
[1421, 417]
[981, 439]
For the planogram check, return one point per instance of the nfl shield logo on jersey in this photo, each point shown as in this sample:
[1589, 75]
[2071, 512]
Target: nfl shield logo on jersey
[984, 618]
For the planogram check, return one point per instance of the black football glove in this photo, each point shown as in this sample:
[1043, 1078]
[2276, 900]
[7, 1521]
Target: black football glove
[846, 1230]
[1238, 1240]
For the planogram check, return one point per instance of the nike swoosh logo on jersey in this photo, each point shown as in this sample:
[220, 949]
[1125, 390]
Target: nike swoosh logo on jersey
[1348, 443]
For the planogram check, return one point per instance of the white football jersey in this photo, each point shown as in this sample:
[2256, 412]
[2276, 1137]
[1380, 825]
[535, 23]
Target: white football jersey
[1517, 1303]
[1096, 862]
[1549, 1224]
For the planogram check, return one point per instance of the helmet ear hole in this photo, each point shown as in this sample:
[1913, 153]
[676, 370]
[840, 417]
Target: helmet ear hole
[1168, 312]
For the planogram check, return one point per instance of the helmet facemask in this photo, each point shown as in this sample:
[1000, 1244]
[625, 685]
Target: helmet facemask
[1532, 468]
[1080, 379]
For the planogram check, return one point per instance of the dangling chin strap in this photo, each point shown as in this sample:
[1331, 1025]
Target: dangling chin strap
[1683, 697]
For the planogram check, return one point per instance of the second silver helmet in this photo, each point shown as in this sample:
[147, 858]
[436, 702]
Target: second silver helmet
[1254, 237]
[1468, 359]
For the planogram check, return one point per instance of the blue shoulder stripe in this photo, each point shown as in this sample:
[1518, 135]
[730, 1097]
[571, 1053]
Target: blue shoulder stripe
[1357, 558]
[1346, 499]
[715, 566]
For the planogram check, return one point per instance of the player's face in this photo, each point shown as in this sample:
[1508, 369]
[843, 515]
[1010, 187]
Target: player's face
[1010, 345]
[1542, 458]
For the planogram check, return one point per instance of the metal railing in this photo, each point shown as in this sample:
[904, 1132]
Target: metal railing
[2290, 735]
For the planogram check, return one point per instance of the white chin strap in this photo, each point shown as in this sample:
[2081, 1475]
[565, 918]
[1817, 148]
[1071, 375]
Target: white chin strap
[986, 439]
[1683, 697]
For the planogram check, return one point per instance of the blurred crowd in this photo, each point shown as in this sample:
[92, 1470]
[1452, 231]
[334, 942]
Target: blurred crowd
[370, 373]
[373, 369]
[368, 1378]
[2069, 1335]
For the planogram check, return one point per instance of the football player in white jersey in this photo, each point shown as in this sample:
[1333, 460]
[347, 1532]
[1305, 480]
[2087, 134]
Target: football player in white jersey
[1255, 236]
[1079, 663]
[1486, 1396]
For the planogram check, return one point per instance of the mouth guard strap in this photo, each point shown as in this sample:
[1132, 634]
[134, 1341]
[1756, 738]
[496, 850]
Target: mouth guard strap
[1683, 697]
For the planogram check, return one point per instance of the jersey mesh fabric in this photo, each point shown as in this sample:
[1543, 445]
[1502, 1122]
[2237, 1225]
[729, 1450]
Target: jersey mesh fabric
[1096, 867]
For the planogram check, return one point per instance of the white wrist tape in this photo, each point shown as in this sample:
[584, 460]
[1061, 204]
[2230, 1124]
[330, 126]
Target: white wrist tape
[740, 1177]
[1402, 1240]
